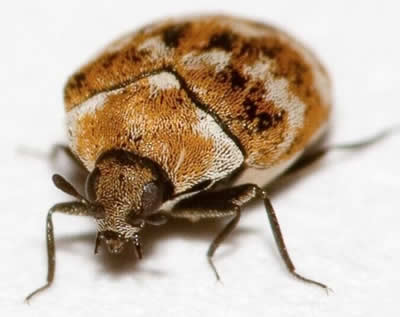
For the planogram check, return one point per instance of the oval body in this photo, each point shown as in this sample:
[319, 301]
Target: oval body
[203, 97]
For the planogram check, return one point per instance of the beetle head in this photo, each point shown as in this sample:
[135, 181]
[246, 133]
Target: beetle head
[130, 190]
[124, 193]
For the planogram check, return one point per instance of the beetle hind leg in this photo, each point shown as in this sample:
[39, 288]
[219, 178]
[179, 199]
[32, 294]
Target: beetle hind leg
[226, 203]
[212, 205]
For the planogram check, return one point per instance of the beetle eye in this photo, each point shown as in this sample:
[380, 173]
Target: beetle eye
[152, 197]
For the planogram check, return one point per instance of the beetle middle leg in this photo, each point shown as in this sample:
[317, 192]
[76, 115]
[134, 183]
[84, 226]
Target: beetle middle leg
[227, 202]
[210, 205]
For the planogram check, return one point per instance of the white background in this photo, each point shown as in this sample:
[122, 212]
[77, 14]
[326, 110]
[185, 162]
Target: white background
[341, 221]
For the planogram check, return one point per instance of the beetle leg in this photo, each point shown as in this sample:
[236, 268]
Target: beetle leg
[211, 205]
[280, 242]
[227, 202]
[221, 237]
[200, 213]
[70, 208]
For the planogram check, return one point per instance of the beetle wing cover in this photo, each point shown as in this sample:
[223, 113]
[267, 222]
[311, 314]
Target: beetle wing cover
[269, 91]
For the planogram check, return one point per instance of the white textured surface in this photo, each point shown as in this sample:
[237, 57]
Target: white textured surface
[163, 81]
[156, 46]
[341, 221]
[219, 59]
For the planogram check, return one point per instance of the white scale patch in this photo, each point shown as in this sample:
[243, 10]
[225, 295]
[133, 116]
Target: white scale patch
[217, 58]
[90, 106]
[227, 155]
[258, 70]
[278, 91]
[156, 47]
[163, 81]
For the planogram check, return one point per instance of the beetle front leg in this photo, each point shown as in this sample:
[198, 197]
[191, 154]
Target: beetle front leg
[70, 208]
[227, 203]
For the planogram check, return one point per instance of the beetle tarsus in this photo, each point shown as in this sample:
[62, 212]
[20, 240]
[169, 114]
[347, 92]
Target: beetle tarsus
[309, 281]
[213, 267]
[35, 292]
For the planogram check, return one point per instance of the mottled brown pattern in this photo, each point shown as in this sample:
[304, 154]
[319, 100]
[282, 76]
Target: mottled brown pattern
[238, 100]
[157, 126]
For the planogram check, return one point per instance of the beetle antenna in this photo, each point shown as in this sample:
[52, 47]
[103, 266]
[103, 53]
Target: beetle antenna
[62, 184]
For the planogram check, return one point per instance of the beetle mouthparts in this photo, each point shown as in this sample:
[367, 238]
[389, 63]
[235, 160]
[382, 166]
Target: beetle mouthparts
[138, 246]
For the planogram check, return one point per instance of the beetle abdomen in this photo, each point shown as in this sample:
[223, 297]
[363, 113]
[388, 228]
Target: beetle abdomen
[266, 93]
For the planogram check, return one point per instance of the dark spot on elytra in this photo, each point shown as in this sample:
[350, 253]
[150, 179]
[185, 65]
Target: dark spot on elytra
[173, 34]
[237, 80]
[264, 120]
[271, 51]
[79, 79]
[108, 60]
[222, 77]
[232, 76]
[70, 85]
[133, 55]
[251, 108]
[253, 90]
[221, 40]
[247, 49]
[121, 177]
[299, 71]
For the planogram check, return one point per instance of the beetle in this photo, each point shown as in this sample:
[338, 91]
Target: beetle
[190, 118]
